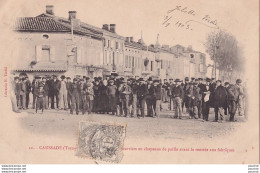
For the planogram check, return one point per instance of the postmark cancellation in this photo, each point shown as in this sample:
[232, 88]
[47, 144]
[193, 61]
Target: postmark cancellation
[101, 141]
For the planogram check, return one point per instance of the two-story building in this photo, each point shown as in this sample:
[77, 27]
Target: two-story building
[54, 45]
[193, 62]
[49, 44]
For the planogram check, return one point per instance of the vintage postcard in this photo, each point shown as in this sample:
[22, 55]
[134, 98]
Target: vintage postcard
[129, 82]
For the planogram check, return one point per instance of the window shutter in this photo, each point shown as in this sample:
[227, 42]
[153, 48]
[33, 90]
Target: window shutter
[111, 44]
[79, 60]
[52, 54]
[38, 53]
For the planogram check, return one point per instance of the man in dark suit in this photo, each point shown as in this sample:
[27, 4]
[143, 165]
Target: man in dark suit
[68, 86]
[233, 96]
[186, 98]
[142, 91]
[17, 90]
[28, 90]
[35, 87]
[205, 99]
[165, 90]
[212, 87]
[149, 99]
[157, 97]
[74, 91]
[54, 91]
[200, 85]
[177, 94]
[220, 97]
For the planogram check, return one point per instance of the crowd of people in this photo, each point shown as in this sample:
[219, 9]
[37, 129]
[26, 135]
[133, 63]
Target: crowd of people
[131, 97]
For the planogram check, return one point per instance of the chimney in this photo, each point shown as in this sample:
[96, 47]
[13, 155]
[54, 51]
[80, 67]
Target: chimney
[113, 28]
[127, 39]
[131, 39]
[49, 9]
[72, 15]
[105, 26]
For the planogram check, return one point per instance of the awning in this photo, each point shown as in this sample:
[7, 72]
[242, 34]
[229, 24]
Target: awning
[42, 66]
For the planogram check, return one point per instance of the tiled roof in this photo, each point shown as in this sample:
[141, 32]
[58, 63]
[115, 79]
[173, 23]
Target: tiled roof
[80, 29]
[42, 66]
[134, 44]
[47, 23]
[44, 24]
[140, 46]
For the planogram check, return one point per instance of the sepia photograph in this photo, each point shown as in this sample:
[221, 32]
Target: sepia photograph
[131, 82]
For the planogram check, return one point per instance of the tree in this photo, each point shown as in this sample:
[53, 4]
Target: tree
[223, 49]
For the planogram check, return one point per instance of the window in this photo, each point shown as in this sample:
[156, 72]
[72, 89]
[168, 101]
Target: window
[108, 43]
[202, 60]
[126, 61]
[162, 64]
[130, 62]
[105, 57]
[45, 36]
[45, 54]
[104, 43]
[112, 43]
[116, 45]
[191, 55]
[151, 65]
[201, 68]
[133, 61]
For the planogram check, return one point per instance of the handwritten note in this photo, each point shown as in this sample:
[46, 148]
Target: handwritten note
[190, 18]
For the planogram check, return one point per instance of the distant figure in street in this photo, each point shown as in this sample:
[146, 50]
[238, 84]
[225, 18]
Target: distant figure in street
[212, 87]
[220, 97]
[142, 91]
[35, 86]
[177, 94]
[40, 98]
[28, 90]
[125, 92]
[240, 103]
[14, 94]
[46, 89]
[111, 91]
[90, 96]
[22, 100]
[54, 91]
[186, 99]
[63, 102]
[75, 96]
[196, 99]
[149, 99]
[103, 98]
[68, 86]
[165, 90]
[233, 97]
[96, 95]
[205, 90]
[157, 98]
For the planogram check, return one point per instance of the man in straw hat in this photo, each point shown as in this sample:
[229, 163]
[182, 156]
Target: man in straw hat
[177, 94]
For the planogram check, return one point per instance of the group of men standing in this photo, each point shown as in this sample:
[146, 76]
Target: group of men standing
[130, 97]
[199, 95]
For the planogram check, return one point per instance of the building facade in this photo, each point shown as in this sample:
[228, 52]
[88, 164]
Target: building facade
[54, 45]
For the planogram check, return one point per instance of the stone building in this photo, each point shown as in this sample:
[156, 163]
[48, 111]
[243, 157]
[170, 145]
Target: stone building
[194, 62]
[49, 44]
[53, 45]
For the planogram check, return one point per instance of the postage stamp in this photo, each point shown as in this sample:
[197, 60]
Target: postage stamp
[101, 141]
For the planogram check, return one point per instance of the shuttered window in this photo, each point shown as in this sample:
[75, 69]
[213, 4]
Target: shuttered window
[45, 54]
[79, 58]
[38, 53]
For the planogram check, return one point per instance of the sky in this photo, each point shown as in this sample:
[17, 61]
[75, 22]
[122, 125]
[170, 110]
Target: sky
[135, 16]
